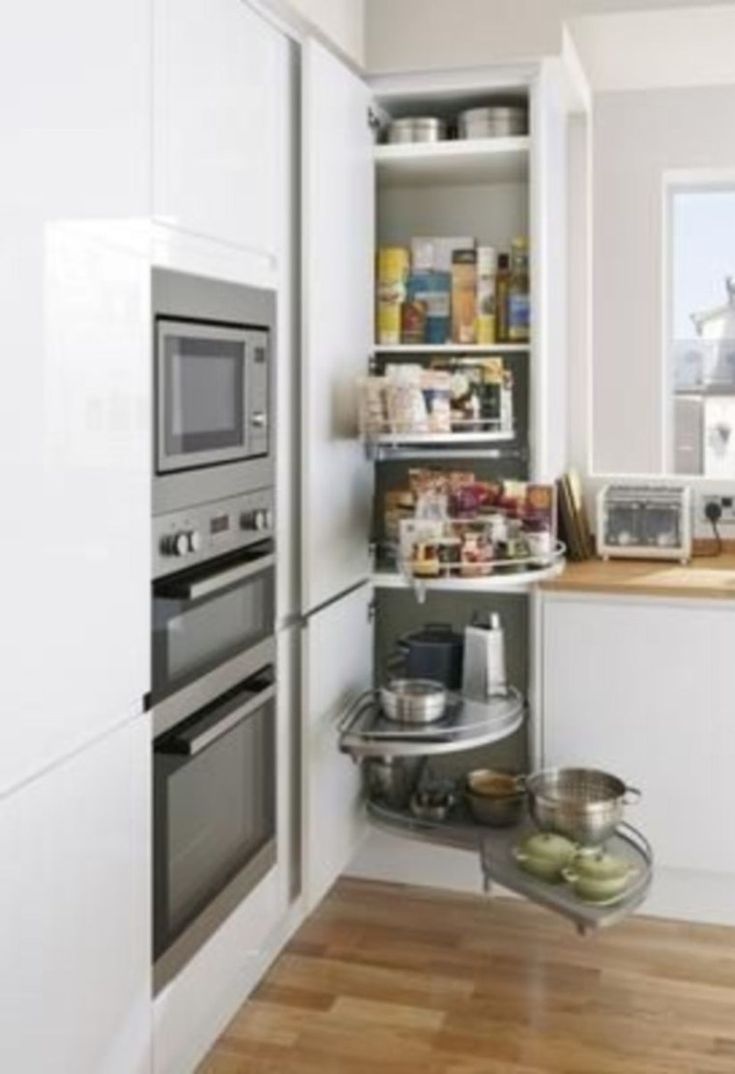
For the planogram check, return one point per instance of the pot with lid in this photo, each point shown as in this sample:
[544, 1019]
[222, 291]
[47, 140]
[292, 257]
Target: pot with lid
[417, 129]
[493, 121]
[436, 651]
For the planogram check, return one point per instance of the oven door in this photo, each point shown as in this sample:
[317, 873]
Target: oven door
[214, 817]
[212, 626]
[212, 394]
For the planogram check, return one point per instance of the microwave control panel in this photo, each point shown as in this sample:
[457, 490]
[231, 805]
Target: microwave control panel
[184, 538]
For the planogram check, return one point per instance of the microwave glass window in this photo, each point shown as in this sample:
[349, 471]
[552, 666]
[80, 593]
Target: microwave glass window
[204, 391]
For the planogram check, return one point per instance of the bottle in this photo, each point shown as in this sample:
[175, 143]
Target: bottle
[502, 281]
[485, 294]
[519, 298]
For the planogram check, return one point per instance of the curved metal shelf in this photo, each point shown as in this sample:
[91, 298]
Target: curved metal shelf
[516, 581]
[365, 732]
[495, 845]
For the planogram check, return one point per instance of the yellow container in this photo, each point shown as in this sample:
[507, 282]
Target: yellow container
[392, 273]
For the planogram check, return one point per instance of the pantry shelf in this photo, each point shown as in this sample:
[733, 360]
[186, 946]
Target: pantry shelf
[517, 582]
[473, 349]
[442, 445]
[459, 162]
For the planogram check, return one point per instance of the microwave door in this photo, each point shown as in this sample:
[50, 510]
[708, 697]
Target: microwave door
[201, 386]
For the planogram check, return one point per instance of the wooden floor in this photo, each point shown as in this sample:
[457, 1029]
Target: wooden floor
[385, 979]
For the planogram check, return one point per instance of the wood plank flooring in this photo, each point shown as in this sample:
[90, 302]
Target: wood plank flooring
[385, 979]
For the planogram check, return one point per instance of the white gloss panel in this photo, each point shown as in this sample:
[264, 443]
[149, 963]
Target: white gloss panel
[75, 914]
[75, 375]
[216, 122]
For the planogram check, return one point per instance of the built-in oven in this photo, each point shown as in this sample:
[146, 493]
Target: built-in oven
[214, 817]
[214, 345]
[213, 601]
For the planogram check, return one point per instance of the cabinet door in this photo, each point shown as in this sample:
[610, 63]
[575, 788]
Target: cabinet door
[75, 407]
[548, 273]
[220, 79]
[337, 665]
[338, 225]
[75, 913]
[644, 690]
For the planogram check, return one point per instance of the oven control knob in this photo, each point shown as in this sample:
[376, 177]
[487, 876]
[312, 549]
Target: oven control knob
[256, 520]
[175, 544]
[194, 539]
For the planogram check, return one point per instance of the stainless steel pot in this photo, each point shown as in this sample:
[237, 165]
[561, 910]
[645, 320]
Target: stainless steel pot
[493, 121]
[417, 129]
[392, 780]
[584, 804]
[414, 701]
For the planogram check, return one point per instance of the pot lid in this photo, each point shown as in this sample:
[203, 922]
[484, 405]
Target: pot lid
[601, 866]
[548, 846]
[435, 633]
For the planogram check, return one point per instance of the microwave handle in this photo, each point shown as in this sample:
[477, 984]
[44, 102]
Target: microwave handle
[191, 747]
[181, 589]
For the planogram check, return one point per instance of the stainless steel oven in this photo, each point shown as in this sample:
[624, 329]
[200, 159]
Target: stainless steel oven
[213, 601]
[214, 346]
[214, 817]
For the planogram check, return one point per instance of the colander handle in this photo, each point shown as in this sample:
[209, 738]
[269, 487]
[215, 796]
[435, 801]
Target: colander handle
[632, 796]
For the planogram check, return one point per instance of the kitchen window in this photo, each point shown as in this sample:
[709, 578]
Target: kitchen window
[700, 326]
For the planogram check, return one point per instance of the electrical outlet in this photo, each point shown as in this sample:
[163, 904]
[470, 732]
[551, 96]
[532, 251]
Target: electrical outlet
[726, 505]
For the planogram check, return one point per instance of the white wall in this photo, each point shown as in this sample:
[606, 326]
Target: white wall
[637, 137]
[424, 34]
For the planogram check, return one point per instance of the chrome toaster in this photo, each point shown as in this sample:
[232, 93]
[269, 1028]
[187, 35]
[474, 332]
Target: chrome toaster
[644, 522]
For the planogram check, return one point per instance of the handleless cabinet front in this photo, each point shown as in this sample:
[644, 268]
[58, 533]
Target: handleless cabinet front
[220, 80]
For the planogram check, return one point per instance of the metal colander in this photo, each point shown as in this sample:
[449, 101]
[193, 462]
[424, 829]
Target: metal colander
[584, 804]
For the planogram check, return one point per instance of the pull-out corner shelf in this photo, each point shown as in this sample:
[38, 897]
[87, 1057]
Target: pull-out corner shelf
[365, 732]
[495, 846]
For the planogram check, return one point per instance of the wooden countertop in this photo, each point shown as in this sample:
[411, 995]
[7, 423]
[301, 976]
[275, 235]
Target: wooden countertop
[705, 578]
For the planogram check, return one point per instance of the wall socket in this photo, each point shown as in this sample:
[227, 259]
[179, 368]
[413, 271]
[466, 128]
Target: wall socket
[726, 504]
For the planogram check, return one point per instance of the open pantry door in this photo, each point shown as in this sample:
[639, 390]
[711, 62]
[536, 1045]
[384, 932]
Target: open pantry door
[338, 209]
[549, 115]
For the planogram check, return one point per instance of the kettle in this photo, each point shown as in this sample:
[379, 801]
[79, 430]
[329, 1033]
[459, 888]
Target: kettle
[484, 673]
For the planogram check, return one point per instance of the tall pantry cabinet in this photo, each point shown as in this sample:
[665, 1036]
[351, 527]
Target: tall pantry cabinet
[75, 127]
[358, 195]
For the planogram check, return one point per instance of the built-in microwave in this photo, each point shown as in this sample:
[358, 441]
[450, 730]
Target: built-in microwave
[214, 344]
[212, 393]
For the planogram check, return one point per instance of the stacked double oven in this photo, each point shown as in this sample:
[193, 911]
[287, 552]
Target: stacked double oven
[213, 607]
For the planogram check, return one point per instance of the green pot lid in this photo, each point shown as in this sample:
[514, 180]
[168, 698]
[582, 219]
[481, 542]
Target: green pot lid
[601, 866]
[548, 846]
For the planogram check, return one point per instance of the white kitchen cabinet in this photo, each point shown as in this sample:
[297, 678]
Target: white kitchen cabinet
[220, 82]
[75, 914]
[337, 665]
[76, 373]
[338, 219]
[643, 688]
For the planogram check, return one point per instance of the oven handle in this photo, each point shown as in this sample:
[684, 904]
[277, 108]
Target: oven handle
[181, 589]
[200, 742]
